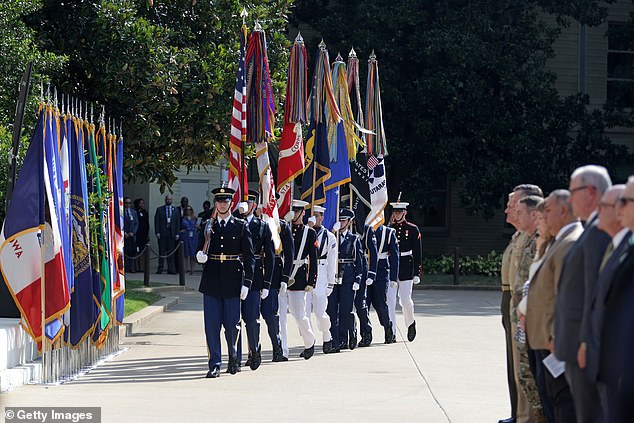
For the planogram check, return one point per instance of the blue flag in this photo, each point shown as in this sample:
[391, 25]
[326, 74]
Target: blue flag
[316, 171]
[339, 175]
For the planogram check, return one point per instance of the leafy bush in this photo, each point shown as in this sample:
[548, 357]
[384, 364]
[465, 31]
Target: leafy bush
[478, 265]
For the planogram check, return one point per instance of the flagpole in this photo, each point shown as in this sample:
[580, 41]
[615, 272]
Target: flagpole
[43, 276]
[245, 195]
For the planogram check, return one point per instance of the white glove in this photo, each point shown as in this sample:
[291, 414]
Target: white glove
[244, 292]
[393, 284]
[416, 280]
[369, 281]
[339, 281]
[309, 288]
[312, 220]
[243, 207]
[336, 226]
[264, 294]
[289, 217]
[355, 286]
[283, 287]
[201, 257]
[329, 289]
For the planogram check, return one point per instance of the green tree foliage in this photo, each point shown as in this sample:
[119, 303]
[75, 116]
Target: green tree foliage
[466, 92]
[167, 70]
[18, 45]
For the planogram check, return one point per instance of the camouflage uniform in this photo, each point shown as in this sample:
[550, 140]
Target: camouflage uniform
[522, 257]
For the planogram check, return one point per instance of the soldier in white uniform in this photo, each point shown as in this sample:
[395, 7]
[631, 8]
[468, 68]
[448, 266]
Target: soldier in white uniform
[317, 299]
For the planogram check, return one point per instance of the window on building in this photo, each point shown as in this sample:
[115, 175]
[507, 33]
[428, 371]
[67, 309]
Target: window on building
[436, 215]
[620, 75]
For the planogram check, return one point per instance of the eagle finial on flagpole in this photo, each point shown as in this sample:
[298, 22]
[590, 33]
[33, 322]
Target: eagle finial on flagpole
[244, 15]
[299, 39]
[322, 45]
[257, 27]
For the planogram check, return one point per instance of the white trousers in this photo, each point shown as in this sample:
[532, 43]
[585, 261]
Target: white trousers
[297, 305]
[317, 303]
[283, 312]
[404, 289]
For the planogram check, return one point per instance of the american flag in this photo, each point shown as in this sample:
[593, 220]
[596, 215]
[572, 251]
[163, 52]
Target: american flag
[372, 162]
[238, 128]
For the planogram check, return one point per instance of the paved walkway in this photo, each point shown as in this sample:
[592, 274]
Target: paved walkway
[453, 372]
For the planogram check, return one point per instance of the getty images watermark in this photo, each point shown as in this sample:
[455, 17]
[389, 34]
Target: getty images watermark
[52, 414]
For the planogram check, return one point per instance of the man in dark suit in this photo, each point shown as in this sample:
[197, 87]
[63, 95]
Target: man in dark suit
[226, 251]
[617, 348]
[167, 226]
[576, 286]
[591, 331]
[130, 227]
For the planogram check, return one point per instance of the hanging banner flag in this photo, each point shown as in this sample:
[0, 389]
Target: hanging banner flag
[119, 285]
[291, 159]
[238, 134]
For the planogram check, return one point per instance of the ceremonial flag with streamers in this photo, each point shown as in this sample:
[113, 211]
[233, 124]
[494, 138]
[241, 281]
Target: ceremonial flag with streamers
[291, 160]
[30, 226]
[239, 129]
[84, 310]
[66, 165]
[324, 117]
[260, 120]
[117, 176]
[360, 186]
[376, 146]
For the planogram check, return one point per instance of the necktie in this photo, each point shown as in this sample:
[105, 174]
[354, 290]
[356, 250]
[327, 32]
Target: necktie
[222, 224]
[606, 256]
[169, 212]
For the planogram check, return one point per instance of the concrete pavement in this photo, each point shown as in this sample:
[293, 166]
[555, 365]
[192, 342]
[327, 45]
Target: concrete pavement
[453, 372]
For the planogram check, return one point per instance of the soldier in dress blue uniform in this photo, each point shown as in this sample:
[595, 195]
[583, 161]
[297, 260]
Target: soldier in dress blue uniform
[350, 271]
[387, 270]
[410, 252]
[264, 260]
[303, 277]
[226, 250]
[270, 307]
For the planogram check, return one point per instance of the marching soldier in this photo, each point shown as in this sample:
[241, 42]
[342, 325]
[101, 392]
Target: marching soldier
[226, 251]
[271, 311]
[387, 270]
[317, 300]
[303, 277]
[264, 260]
[409, 244]
[341, 300]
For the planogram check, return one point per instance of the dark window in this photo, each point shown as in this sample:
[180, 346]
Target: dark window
[620, 72]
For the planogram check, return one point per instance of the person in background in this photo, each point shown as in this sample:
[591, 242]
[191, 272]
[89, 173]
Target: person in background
[167, 228]
[143, 232]
[205, 214]
[189, 235]
[130, 228]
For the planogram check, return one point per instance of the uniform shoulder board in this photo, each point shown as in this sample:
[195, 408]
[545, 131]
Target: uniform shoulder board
[239, 221]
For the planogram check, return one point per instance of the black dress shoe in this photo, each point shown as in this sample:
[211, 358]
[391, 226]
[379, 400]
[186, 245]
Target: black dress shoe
[256, 359]
[301, 354]
[308, 352]
[389, 334]
[277, 354]
[352, 342]
[214, 373]
[233, 366]
[366, 340]
[327, 347]
[411, 332]
[509, 420]
[343, 346]
[283, 358]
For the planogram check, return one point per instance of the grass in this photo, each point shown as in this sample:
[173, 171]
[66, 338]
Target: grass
[472, 280]
[136, 300]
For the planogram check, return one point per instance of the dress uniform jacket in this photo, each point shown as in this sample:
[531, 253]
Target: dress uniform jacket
[388, 254]
[305, 261]
[264, 253]
[224, 278]
[409, 244]
[351, 253]
[283, 265]
[326, 259]
[369, 242]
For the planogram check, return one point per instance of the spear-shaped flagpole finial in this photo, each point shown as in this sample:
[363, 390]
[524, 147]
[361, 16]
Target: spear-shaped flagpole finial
[339, 58]
[398, 200]
[373, 56]
[299, 39]
[352, 54]
[244, 15]
[322, 45]
[92, 112]
[257, 27]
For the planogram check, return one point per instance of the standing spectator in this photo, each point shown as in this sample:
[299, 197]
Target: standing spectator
[205, 214]
[143, 232]
[167, 228]
[189, 235]
[130, 228]
[576, 286]
[183, 206]
[180, 212]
